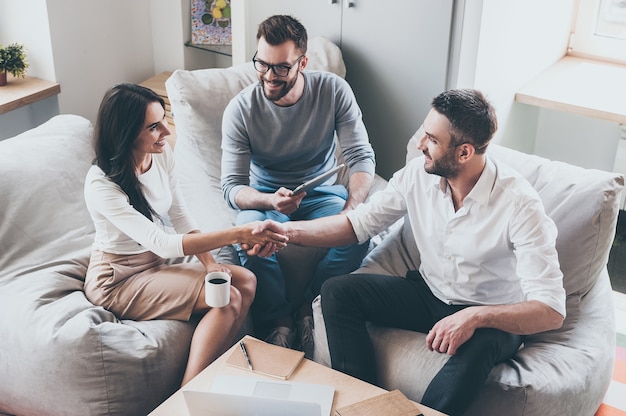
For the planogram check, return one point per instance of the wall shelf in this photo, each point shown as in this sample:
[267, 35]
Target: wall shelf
[226, 50]
[20, 92]
[580, 86]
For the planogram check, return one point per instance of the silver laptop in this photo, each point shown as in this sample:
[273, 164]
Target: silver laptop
[246, 396]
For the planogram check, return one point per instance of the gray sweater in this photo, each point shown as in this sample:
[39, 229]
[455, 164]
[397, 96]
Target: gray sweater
[268, 145]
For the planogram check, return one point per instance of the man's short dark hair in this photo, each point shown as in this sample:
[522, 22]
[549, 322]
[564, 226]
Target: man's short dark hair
[279, 29]
[472, 117]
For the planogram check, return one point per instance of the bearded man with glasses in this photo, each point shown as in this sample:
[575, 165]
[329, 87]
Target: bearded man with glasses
[277, 134]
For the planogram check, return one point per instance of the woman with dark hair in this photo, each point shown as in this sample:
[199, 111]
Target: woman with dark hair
[133, 198]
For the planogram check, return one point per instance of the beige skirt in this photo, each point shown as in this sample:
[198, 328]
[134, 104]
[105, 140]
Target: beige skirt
[141, 287]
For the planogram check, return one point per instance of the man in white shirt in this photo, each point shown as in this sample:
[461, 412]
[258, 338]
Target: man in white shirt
[489, 270]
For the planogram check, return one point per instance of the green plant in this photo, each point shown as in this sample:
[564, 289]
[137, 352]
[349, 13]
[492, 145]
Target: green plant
[13, 60]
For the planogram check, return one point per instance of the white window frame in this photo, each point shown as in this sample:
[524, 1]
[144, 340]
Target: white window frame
[585, 42]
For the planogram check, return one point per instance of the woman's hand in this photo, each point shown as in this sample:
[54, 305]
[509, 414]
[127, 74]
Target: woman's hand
[263, 233]
[267, 248]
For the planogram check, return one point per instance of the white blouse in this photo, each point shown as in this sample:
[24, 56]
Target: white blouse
[121, 229]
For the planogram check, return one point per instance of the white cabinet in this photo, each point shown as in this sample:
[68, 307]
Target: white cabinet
[396, 55]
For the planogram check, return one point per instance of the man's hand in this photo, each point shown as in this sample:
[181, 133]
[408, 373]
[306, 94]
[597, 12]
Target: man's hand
[265, 250]
[285, 202]
[447, 335]
[523, 318]
[358, 188]
[260, 250]
[270, 225]
[262, 238]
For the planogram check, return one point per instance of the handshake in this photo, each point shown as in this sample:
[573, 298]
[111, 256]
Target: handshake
[264, 238]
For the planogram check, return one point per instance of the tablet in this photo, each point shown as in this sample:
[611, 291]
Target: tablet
[308, 185]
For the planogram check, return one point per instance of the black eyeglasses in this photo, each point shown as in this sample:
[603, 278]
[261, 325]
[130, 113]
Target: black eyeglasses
[279, 70]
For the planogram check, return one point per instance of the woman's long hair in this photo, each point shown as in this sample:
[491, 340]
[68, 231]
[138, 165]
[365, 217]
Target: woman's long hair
[120, 120]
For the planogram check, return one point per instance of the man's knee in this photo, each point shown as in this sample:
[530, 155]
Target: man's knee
[493, 344]
[334, 287]
[335, 293]
[250, 215]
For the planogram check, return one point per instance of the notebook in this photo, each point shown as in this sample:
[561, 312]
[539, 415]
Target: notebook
[266, 359]
[392, 403]
[238, 396]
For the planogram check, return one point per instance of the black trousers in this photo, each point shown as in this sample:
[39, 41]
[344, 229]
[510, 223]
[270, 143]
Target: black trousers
[350, 301]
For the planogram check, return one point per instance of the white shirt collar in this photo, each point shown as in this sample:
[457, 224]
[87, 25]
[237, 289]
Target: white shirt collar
[482, 189]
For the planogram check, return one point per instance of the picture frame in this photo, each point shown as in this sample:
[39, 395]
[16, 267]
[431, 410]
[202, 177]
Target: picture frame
[211, 22]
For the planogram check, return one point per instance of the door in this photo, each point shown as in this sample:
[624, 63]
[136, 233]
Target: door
[396, 56]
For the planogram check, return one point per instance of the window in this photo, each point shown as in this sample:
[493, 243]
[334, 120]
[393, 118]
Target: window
[600, 30]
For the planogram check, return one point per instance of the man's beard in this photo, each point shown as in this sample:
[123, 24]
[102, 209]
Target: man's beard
[278, 94]
[446, 166]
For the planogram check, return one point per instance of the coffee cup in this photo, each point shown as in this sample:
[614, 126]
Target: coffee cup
[217, 289]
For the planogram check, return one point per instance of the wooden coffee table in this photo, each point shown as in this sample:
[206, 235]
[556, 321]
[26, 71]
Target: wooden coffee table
[348, 389]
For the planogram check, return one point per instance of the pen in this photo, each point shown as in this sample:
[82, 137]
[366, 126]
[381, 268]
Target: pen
[245, 354]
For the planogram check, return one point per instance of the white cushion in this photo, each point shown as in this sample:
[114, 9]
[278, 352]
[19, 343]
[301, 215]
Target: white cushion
[198, 99]
[43, 218]
[60, 354]
[583, 203]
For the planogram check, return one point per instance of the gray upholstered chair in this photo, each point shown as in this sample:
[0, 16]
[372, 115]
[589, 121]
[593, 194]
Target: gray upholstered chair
[60, 354]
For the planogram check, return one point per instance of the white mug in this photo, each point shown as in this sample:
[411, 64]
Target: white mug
[217, 289]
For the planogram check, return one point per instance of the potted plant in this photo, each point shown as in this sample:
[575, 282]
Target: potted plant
[12, 60]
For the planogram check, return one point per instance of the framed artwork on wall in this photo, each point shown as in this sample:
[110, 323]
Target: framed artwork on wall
[210, 22]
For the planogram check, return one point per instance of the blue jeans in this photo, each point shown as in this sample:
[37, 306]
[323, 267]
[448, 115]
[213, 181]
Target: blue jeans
[270, 302]
[350, 301]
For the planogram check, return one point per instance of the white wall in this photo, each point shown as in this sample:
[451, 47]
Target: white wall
[27, 23]
[88, 45]
[582, 141]
[168, 34]
[35, 36]
[98, 44]
[518, 40]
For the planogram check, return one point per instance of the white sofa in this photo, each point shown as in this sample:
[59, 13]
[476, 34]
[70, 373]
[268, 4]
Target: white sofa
[556, 373]
[59, 354]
